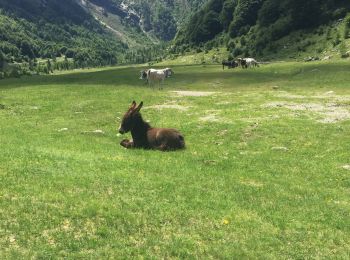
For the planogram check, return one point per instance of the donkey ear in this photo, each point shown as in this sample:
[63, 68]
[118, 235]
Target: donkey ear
[139, 107]
[133, 105]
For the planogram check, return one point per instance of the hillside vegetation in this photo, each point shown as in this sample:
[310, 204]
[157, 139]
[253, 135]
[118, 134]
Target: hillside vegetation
[159, 20]
[34, 30]
[254, 27]
[40, 35]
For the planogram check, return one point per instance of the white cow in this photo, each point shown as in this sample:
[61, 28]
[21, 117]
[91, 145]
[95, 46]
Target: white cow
[154, 75]
[251, 62]
[169, 72]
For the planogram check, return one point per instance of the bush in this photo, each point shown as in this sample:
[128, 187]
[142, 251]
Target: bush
[230, 57]
[347, 21]
[237, 51]
[231, 45]
[347, 27]
[343, 51]
[243, 41]
[14, 73]
[329, 34]
[339, 13]
[346, 33]
[337, 40]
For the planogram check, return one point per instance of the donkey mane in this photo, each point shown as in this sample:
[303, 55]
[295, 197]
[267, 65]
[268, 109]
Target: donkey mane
[139, 131]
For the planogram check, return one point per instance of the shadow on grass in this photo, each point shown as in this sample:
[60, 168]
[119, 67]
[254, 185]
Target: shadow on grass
[183, 75]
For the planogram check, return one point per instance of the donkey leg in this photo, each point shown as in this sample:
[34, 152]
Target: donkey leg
[127, 144]
[162, 147]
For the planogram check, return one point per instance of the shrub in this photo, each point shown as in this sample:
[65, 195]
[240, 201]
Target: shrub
[347, 21]
[329, 34]
[339, 13]
[231, 45]
[346, 32]
[14, 73]
[237, 51]
[230, 57]
[337, 40]
[243, 41]
[347, 27]
[343, 51]
[246, 52]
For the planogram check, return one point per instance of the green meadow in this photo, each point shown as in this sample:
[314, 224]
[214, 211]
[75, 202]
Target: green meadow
[265, 173]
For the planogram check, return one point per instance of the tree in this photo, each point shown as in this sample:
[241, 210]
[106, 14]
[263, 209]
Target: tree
[2, 60]
[226, 14]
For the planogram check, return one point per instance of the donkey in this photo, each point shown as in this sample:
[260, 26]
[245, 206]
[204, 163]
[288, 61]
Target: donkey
[146, 137]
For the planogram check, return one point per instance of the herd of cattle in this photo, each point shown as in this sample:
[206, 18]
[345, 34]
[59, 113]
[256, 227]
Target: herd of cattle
[153, 76]
[240, 62]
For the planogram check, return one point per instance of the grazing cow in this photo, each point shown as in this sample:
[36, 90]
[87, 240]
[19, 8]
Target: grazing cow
[242, 62]
[251, 62]
[156, 76]
[143, 74]
[146, 137]
[168, 72]
[230, 64]
[152, 75]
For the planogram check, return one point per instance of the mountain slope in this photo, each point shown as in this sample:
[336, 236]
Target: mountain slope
[254, 27]
[49, 29]
[89, 32]
[151, 21]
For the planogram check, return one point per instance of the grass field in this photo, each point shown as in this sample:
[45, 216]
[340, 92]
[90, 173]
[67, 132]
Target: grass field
[265, 173]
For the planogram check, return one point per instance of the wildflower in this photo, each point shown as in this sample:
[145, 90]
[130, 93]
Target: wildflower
[225, 222]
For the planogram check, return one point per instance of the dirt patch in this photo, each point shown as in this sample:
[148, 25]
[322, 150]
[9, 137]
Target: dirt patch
[252, 183]
[94, 132]
[224, 103]
[210, 118]
[346, 167]
[289, 96]
[280, 148]
[339, 98]
[329, 95]
[295, 106]
[330, 112]
[169, 106]
[194, 93]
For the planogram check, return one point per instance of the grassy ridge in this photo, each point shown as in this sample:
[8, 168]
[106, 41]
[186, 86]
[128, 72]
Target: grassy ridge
[256, 180]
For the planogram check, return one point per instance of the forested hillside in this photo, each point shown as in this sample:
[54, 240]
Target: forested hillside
[39, 29]
[158, 19]
[252, 27]
[43, 35]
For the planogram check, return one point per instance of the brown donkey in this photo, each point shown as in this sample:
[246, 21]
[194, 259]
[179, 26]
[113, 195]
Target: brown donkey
[147, 137]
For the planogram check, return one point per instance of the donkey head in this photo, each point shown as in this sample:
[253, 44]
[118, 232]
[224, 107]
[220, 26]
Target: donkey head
[130, 118]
